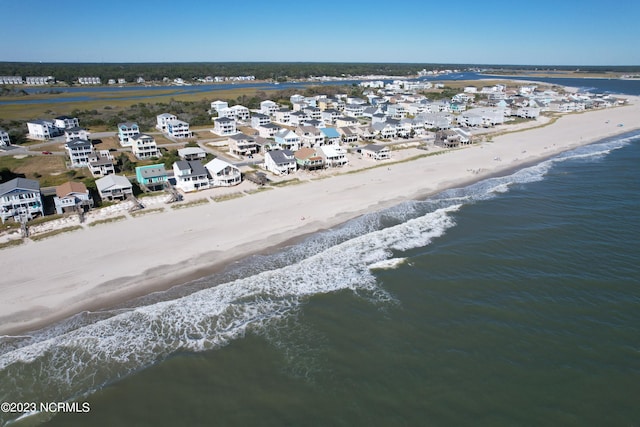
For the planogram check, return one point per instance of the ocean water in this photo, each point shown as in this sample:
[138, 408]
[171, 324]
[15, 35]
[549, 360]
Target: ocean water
[514, 301]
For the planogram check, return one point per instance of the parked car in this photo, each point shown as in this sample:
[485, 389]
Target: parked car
[47, 152]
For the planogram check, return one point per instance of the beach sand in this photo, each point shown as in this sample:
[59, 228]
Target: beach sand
[99, 267]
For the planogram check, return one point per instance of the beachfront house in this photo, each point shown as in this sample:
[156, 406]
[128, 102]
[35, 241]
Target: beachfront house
[152, 177]
[308, 159]
[126, 131]
[5, 141]
[287, 140]
[348, 135]
[333, 155]
[114, 187]
[101, 163]
[376, 152]
[20, 199]
[224, 126]
[190, 175]
[144, 146]
[72, 197]
[79, 151]
[192, 153]
[242, 144]
[280, 162]
[223, 174]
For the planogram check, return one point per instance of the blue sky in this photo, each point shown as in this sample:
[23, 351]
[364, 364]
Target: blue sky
[559, 32]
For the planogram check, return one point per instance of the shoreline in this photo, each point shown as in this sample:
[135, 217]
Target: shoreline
[109, 265]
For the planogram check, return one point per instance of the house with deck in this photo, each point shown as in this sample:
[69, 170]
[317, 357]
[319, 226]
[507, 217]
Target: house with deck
[76, 133]
[126, 131]
[66, 122]
[152, 177]
[376, 152]
[224, 126]
[331, 136]
[308, 159]
[20, 199]
[192, 153]
[79, 151]
[114, 187]
[282, 116]
[268, 107]
[42, 129]
[144, 146]
[333, 155]
[280, 162]
[287, 140]
[258, 120]
[72, 197]
[242, 144]
[310, 136]
[223, 174]
[101, 163]
[348, 135]
[190, 176]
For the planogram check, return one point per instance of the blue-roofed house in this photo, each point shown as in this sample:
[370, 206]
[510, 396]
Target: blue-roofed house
[332, 136]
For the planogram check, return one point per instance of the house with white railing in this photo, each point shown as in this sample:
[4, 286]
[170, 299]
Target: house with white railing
[126, 131]
[20, 199]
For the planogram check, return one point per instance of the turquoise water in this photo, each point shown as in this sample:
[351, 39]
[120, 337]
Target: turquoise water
[514, 301]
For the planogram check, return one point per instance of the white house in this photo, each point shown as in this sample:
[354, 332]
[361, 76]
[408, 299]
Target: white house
[4, 138]
[240, 112]
[66, 122]
[224, 126]
[287, 139]
[114, 187]
[126, 131]
[333, 155]
[258, 120]
[223, 174]
[79, 151]
[375, 152]
[20, 198]
[101, 163]
[72, 196]
[242, 144]
[310, 136]
[280, 162]
[178, 129]
[190, 176]
[282, 116]
[269, 130]
[144, 146]
[268, 107]
[192, 153]
[219, 105]
[42, 129]
[162, 120]
[75, 133]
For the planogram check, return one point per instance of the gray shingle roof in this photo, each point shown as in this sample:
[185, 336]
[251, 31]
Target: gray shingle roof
[19, 184]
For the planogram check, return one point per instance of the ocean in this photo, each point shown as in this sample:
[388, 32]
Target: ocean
[514, 301]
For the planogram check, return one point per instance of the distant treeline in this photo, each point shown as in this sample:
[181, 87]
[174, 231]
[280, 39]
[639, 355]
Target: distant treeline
[69, 72]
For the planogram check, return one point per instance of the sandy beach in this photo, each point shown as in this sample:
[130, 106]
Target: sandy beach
[100, 266]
